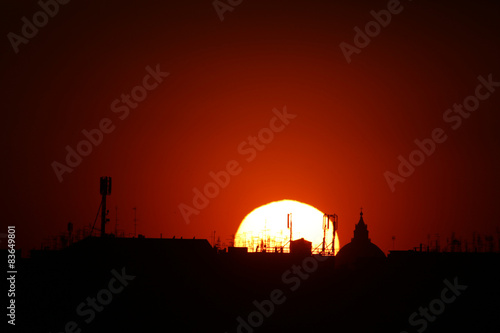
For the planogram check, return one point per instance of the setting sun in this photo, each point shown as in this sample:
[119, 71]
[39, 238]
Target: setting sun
[266, 228]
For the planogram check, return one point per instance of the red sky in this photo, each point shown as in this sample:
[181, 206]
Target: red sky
[225, 78]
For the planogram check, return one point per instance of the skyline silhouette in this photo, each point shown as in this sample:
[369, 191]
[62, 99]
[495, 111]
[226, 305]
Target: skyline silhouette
[134, 284]
[199, 115]
[201, 94]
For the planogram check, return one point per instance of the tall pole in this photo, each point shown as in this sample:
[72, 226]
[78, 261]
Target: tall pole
[335, 226]
[326, 225]
[289, 217]
[105, 189]
[103, 214]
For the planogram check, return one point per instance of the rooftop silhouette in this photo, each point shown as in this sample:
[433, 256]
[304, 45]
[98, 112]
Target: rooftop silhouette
[187, 285]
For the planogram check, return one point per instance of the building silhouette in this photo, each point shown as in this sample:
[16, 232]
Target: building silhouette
[360, 250]
[189, 285]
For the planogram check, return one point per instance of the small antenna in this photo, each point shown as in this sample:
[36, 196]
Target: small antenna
[289, 224]
[105, 190]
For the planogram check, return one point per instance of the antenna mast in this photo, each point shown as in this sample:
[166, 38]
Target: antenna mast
[335, 228]
[105, 189]
[289, 225]
[326, 225]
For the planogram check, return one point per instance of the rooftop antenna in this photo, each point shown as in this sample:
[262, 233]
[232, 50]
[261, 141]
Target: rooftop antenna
[105, 190]
[335, 222]
[326, 226]
[231, 240]
[267, 238]
[289, 226]
[393, 242]
[264, 247]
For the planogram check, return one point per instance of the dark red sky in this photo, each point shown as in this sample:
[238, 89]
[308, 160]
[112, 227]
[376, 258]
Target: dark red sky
[353, 120]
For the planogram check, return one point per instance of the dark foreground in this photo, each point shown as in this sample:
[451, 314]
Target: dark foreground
[160, 285]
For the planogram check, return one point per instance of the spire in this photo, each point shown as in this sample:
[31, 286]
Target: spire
[361, 229]
[361, 222]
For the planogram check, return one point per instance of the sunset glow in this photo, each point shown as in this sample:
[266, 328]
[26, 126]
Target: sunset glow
[267, 225]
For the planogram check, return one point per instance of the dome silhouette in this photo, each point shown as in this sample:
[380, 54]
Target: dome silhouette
[360, 249]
